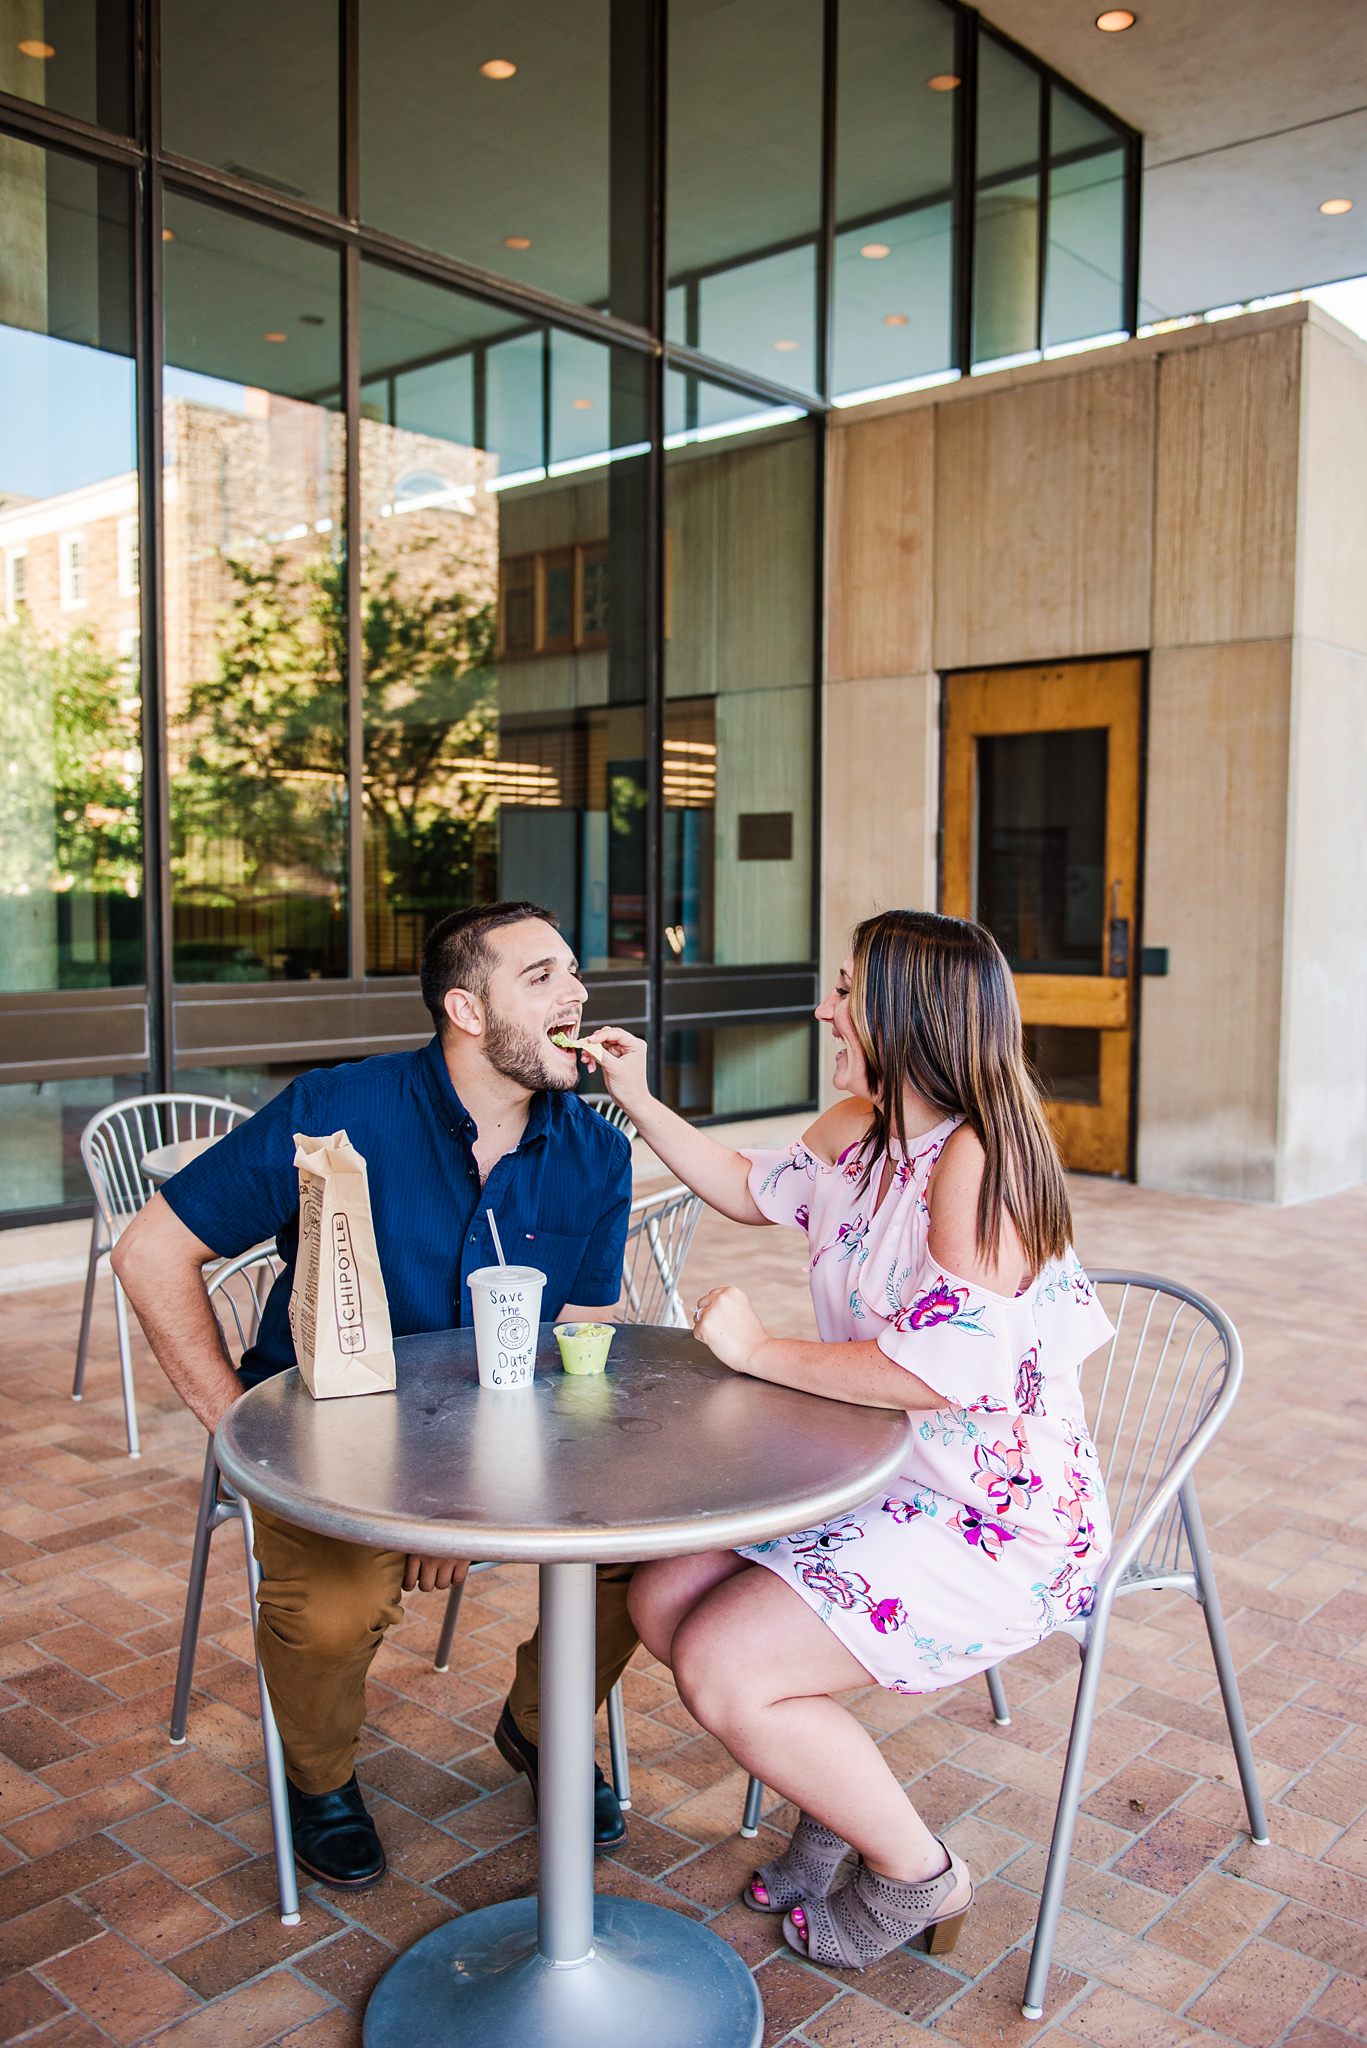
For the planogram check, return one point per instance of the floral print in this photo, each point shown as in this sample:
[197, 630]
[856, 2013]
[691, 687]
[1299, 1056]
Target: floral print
[997, 1529]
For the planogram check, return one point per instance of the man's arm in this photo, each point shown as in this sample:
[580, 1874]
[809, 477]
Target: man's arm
[160, 1267]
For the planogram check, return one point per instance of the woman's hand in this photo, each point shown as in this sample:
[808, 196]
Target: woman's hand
[623, 1060]
[726, 1323]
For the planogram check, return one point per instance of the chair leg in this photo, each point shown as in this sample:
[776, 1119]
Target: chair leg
[1065, 1822]
[442, 1660]
[617, 1743]
[130, 1409]
[96, 1232]
[754, 1799]
[205, 1522]
[275, 1754]
[1001, 1713]
[1224, 1666]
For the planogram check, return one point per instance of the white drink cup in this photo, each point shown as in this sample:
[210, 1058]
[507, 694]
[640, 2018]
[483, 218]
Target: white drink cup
[507, 1307]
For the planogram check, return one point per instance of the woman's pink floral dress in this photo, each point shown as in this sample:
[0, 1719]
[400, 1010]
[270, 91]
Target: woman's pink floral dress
[997, 1528]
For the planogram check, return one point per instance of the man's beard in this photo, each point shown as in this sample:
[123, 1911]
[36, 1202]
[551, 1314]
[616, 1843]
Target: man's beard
[520, 1056]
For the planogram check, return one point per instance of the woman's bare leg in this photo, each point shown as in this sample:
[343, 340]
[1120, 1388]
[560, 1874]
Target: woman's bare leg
[664, 1592]
[756, 1667]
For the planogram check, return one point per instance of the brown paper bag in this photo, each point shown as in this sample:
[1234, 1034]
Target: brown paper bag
[339, 1312]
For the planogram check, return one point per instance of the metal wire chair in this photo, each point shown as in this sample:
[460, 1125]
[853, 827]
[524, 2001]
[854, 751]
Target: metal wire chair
[613, 1112]
[113, 1145]
[1158, 1393]
[238, 1290]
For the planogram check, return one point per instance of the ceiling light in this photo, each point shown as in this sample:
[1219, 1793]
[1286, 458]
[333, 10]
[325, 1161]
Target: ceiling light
[275, 337]
[1336, 206]
[37, 49]
[944, 81]
[167, 236]
[785, 347]
[1114, 19]
[517, 241]
[895, 319]
[497, 67]
[583, 404]
[875, 249]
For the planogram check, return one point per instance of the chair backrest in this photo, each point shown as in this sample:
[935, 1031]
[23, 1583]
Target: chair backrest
[613, 1112]
[239, 1288]
[116, 1138]
[660, 1230]
[1155, 1397]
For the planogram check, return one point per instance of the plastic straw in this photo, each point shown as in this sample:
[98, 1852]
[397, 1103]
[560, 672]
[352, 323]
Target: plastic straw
[494, 1228]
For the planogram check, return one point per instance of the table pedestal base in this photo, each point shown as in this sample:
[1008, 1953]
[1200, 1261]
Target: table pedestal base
[652, 1977]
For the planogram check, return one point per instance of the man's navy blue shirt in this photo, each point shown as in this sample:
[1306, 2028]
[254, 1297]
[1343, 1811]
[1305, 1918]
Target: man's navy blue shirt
[560, 1199]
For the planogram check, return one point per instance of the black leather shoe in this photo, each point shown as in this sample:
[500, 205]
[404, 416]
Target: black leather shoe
[335, 1838]
[609, 1822]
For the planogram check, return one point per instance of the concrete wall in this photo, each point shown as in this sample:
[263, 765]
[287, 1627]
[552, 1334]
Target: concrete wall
[1202, 495]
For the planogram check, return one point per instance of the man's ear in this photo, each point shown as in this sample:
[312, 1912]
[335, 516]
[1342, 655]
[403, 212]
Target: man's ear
[465, 1011]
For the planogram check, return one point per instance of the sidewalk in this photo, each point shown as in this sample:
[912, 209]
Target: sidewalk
[136, 1883]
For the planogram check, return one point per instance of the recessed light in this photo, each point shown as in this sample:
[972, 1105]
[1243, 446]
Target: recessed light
[310, 319]
[944, 81]
[167, 236]
[895, 319]
[33, 48]
[582, 404]
[497, 67]
[875, 250]
[785, 347]
[275, 337]
[1115, 19]
[517, 241]
[1336, 206]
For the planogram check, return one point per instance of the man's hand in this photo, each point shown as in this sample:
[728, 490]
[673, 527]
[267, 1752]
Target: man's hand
[434, 1574]
[726, 1323]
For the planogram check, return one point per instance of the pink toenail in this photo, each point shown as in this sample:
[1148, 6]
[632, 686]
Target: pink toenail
[800, 1921]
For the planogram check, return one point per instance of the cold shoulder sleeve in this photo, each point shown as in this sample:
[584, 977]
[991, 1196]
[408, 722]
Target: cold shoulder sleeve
[782, 1184]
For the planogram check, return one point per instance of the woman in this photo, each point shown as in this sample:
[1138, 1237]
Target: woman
[944, 1283]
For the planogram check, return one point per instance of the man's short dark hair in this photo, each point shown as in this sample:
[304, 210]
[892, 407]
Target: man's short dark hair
[455, 955]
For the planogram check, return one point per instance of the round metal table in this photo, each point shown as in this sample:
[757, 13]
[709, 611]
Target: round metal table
[668, 1452]
[163, 1162]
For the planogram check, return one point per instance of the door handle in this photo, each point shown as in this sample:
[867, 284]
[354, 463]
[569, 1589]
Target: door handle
[1118, 947]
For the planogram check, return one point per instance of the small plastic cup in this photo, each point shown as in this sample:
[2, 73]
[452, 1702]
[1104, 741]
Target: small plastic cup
[584, 1346]
[507, 1308]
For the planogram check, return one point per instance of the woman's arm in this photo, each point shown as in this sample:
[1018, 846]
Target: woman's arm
[719, 1175]
[728, 1326]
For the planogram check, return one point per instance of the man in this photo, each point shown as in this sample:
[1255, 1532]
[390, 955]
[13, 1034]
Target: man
[482, 1118]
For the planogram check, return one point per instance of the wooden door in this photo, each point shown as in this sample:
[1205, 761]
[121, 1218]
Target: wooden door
[1041, 844]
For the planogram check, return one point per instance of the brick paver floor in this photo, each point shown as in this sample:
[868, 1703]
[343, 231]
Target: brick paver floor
[136, 1882]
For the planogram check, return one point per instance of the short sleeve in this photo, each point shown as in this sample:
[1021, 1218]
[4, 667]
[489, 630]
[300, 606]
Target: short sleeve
[246, 1187]
[956, 1338]
[782, 1183]
[599, 1279]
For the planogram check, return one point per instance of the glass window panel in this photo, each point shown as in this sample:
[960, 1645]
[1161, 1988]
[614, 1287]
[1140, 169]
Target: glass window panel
[255, 631]
[70, 801]
[40, 1138]
[505, 729]
[1084, 292]
[252, 88]
[510, 172]
[894, 171]
[70, 55]
[744, 182]
[738, 1070]
[1067, 1061]
[1041, 848]
[1006, 212]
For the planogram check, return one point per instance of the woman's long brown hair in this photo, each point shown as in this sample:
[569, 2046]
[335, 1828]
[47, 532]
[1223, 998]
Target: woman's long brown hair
[933, 1003]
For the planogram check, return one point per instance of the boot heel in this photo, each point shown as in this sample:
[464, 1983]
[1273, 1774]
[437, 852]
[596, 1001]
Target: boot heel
[944, 1934]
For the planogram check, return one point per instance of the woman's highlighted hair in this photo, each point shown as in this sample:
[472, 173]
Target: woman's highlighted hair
[933, 1004]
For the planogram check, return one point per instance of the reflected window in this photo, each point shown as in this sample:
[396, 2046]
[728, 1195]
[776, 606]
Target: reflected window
[1041, 848]
[252, 88]
[71, 55]
[744, 183]
[1006, 207]
[503, 476]
[894, 253]
[739, 1070]
[70, 709]
[40, 1138]
[255, 620]
[1084, 297]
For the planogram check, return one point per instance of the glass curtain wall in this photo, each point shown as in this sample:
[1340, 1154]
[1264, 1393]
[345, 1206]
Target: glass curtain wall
[410, 432]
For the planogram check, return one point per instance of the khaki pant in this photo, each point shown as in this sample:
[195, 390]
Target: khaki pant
[324, 1607]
